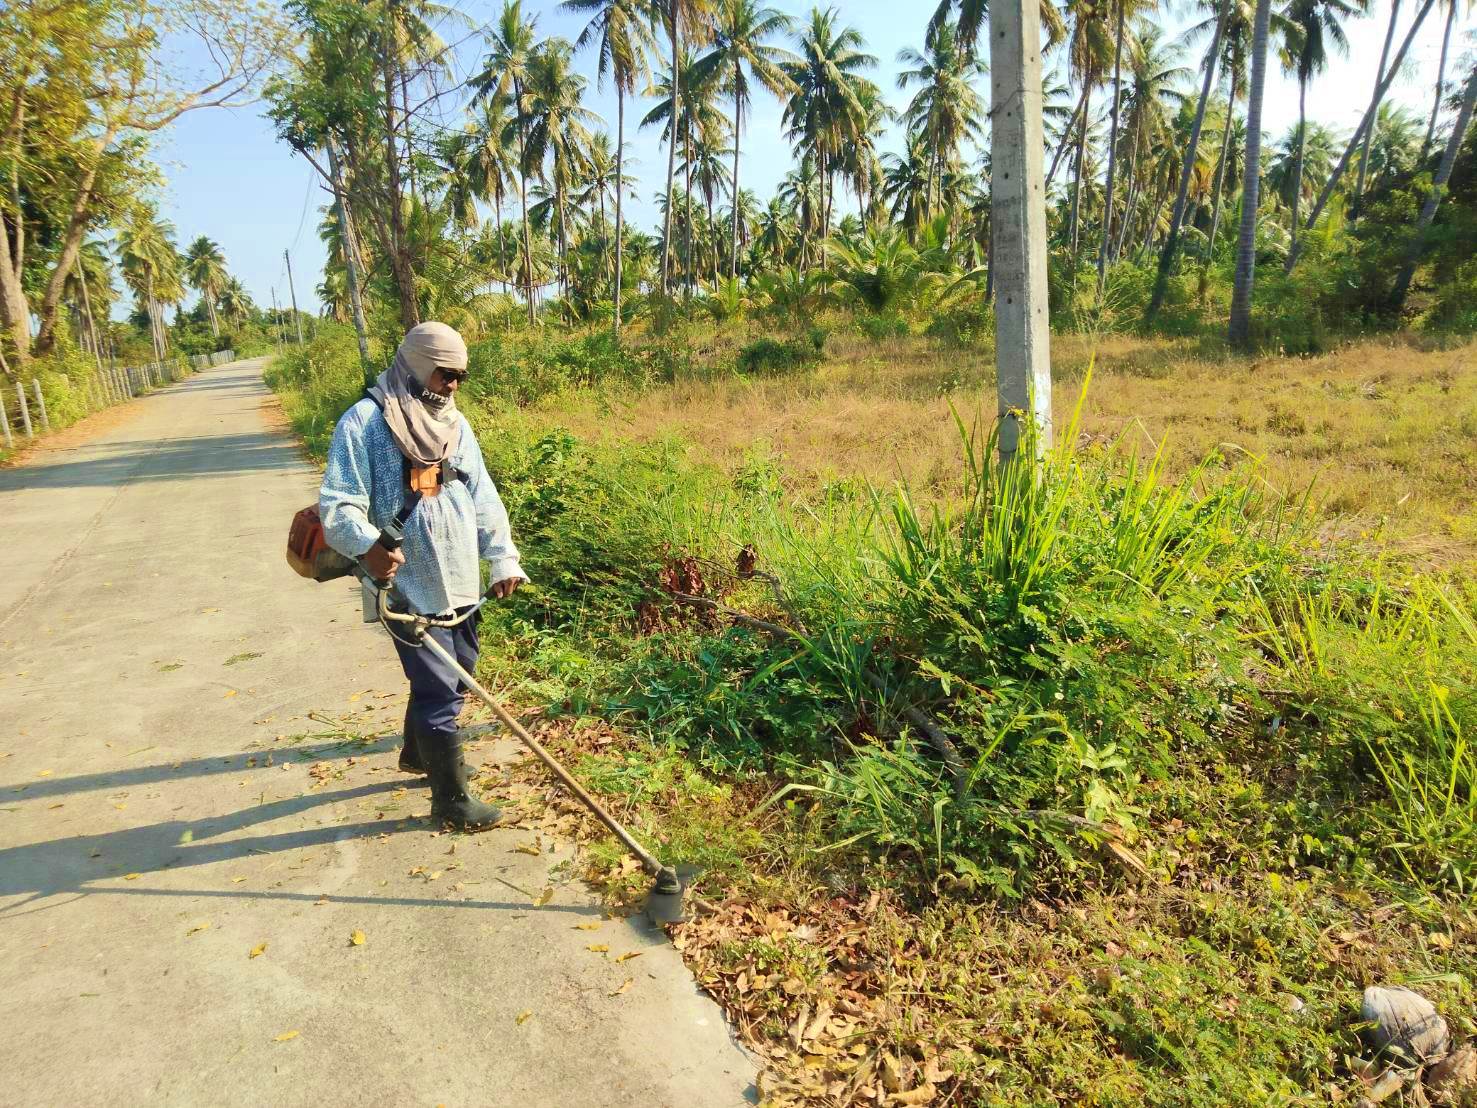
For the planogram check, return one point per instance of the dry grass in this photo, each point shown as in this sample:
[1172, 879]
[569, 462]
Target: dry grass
[1382, 432]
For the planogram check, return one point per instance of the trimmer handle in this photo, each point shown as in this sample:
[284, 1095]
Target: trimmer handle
[392, 538]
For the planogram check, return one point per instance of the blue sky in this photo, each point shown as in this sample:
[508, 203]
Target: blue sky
[228, 177]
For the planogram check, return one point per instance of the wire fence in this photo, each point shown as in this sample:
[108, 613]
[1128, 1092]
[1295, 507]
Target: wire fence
[23, 414]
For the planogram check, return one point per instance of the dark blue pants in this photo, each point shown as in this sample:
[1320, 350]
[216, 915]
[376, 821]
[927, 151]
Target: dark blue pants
[436, 693]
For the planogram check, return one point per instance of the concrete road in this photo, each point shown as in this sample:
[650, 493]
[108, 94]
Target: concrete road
[167, 810]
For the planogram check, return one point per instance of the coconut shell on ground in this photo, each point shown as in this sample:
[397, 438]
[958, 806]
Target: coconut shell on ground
[1402, 1022]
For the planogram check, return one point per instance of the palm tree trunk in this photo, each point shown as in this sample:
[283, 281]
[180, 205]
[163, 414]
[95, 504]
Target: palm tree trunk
[674, 7]
[1374, 105]
[689, 277]
[1102, 258]
[1133, 192]
[620, 187]
[523, 198]
[502, 261]
[1440, 80]
[351, 260]
[1061, 147]
[86, 312]
[1220, 175]
[1240, 328]
[1364, 125]
[738, 125]
[1172, 238]
[215, 328]
[1297, 172]
[1077, 182]
[1438, 187]
[399, 260]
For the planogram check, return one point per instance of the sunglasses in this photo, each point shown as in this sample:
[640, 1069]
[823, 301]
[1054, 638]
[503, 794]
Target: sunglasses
[457, 375]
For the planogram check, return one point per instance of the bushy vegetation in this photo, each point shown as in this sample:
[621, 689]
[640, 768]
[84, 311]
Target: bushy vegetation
[1155, 699]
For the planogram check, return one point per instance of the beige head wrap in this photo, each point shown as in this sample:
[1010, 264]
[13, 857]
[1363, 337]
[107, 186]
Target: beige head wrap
[424, 425]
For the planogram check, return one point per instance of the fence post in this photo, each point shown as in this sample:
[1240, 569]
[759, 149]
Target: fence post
[40, 403]
[5, 425]
[20, 391]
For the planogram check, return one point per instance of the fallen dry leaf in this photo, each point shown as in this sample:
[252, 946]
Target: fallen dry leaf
[524, 1016]
[258, 950]
[587, 926]
[132, 876]
[282, 1038]
[599, 948]
[529, 849]
[544, 897]
[198, 928]
[923, 1094]
[626, 957]
[230, 692]
[624, 986]
[356, 939]
[237, 880]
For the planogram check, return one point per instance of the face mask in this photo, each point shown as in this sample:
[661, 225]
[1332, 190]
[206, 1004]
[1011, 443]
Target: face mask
[433, 399]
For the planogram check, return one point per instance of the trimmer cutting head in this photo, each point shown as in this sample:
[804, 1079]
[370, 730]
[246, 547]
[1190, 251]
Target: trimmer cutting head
[664, 902]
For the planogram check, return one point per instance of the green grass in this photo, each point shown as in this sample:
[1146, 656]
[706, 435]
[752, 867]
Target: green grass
[1194, 747]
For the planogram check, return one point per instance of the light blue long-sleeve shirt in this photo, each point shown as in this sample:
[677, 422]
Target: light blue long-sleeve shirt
[364, 489]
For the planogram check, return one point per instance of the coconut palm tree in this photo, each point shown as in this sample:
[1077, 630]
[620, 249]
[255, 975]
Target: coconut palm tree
[1312, 27]
[741, 50]
[827, 108]
[1360, 132]
[235, 300]
[150, 265]
[704, 165]
[859, 163]
[1394, 151]
[90, 289]
[205, 269]
[557, 129]
[1088, 48]
[697, 116]
[1301, 160]
[1239, 330]
[494, 163]
[973, 15]
[946, 111]
[1119, 38]
[907, 183]
[1451, 12]
[693, 18]
[620, 31]
[511, 50]
[1374, 104]
[1187, 166]
[1153, 100]
[1438, 186]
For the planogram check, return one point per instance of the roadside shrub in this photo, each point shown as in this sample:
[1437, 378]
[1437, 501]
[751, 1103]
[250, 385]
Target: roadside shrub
[767, 356]
[319, 381]
[528, 368]
[879, 327]
[970, 323]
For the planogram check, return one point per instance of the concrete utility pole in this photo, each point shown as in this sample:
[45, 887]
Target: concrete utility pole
[296, 319]
[276, 321]
[1018, 221]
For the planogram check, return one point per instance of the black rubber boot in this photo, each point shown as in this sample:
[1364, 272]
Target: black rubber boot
[452, 803]
[410, 754]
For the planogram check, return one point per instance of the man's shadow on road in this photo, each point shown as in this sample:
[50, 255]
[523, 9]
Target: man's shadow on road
[40, 871]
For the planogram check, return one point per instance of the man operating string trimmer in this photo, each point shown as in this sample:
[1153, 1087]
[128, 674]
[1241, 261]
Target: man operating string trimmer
[405, 456]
